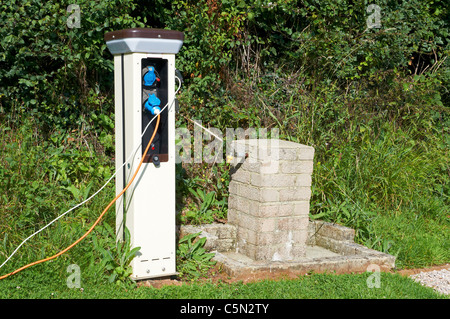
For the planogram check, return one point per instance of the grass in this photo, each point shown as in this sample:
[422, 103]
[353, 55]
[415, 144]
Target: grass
[49, 283]
[391, 187]
[417, 241]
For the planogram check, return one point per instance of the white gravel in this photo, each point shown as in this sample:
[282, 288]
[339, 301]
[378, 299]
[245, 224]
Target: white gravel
[439, 280]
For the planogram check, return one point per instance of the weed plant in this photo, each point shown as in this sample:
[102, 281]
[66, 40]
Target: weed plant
[40, 180]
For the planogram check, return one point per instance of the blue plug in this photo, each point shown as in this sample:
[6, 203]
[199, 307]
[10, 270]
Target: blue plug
[152, 104]
[150, 77]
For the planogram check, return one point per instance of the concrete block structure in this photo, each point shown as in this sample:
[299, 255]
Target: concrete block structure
[269, 195]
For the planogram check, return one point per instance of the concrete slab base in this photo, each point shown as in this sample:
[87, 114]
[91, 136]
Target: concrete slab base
[330, 248]
[318, 259]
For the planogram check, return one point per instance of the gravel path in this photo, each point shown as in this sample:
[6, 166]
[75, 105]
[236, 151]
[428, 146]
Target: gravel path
[439, 280]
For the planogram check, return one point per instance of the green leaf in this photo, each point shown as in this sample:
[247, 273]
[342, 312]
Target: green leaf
[317, 216]
[131, 254]
[188, 237]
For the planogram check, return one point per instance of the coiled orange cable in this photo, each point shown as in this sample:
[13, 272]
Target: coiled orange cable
[98, 219]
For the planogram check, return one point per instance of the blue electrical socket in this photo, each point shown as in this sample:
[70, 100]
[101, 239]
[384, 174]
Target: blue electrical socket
[152, 104]
[150, 77]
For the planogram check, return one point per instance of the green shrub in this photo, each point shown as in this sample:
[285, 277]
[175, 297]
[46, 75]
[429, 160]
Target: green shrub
[49, 71]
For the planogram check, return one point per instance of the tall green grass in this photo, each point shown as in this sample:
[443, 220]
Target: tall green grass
[40, 179]
[391, 188]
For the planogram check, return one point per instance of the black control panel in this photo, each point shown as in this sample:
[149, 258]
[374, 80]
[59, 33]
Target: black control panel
[154, 99]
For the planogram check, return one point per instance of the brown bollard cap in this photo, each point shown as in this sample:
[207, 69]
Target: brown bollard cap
[144, 33]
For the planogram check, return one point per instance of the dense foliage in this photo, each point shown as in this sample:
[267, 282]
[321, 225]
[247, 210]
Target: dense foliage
[373, 101]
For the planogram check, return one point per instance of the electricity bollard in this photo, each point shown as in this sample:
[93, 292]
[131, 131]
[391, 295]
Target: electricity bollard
[144, 87]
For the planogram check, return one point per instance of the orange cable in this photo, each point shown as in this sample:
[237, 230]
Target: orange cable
[98, 219]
